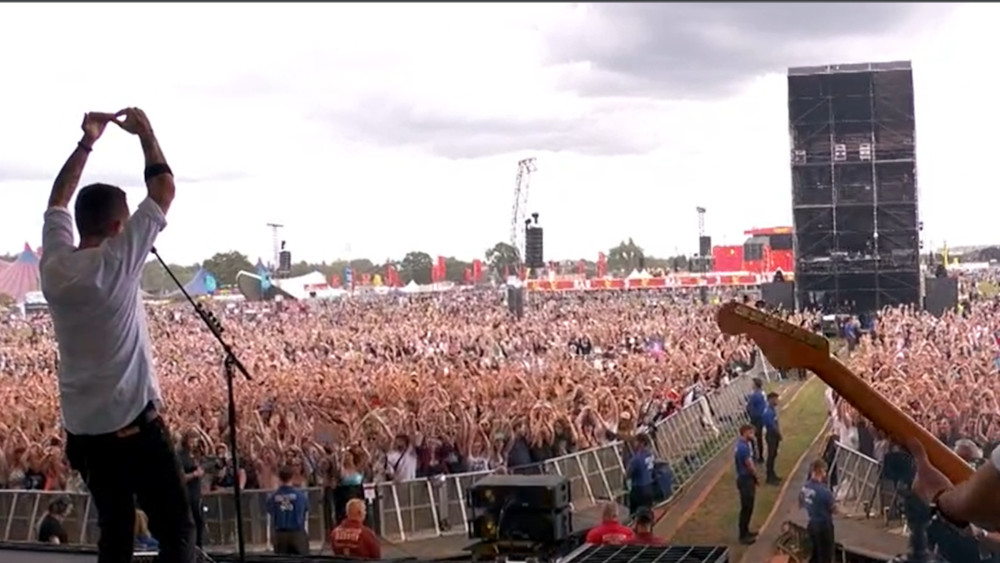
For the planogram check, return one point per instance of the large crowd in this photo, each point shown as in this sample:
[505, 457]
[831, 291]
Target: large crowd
[940, 371]
[392, 387]
[407, 387]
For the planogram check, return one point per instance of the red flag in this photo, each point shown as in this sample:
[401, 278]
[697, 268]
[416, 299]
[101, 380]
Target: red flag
[366, 279]
[334, 281]
[468, 276]
[602, 265]
[441, 269]
[581, 267]
[477, 271]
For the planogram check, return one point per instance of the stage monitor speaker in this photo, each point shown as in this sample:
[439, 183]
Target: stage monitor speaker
[541, 492]
[532, 508]
[779, 295]
[285, 261]
[534, 248]
[705, 246]
[515, 301]
[941, 295]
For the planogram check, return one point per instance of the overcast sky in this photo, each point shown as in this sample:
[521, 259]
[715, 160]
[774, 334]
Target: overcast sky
[378, 129]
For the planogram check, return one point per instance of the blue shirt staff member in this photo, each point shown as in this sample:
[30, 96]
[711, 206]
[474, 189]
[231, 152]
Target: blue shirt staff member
[772, 436]
[108, 390]
[820, 505]
[640, 475]
[756, 405]
[289, 508]
[746, 482]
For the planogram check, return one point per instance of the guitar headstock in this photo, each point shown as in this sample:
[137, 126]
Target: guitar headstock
[785, 345]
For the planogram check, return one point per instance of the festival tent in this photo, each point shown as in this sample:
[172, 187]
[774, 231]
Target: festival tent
[257, 287]
[411, 287]
[203, 283]
[21, 276]
[300, 287]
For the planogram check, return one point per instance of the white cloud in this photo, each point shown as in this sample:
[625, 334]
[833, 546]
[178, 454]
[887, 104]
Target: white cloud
[260, 102]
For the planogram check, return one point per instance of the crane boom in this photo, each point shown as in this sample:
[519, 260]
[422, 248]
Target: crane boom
[522, 186]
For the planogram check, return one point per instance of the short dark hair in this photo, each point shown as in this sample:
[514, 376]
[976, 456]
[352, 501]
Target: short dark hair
[817, 466]
[644, 516]
[286, 473]
[745, 428]
[59, 507]
[772, 395]
[97, 207]
[642, 440]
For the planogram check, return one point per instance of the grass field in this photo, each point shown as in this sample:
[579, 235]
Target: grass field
[715, 521]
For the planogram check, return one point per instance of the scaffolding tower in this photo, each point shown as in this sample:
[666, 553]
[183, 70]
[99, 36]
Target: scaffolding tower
[854, 185]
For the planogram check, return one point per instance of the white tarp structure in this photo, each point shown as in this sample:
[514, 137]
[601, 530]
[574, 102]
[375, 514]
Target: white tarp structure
[411, 287]
[302, 286]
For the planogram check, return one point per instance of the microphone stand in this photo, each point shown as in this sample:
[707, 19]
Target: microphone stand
[231, 364]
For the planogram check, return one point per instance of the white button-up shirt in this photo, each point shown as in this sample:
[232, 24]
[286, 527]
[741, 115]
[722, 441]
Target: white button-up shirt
[106, 373]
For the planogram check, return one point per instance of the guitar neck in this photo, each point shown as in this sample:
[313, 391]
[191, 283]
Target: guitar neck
[889, 418]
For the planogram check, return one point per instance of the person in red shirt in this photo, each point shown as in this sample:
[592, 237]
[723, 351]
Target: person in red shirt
[352, 538]
[644, 522]
[610, 531]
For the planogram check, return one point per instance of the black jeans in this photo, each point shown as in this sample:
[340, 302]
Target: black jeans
[290, 542]
[758, 439]
[821, 537]
[198, 517]
[640, 497]
[747, 487]
[136, 463]
[330, 515]
[772, 454]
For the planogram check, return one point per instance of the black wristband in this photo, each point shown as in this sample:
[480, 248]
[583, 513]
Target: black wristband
[154, 170]
[84, 147]
[936, 513]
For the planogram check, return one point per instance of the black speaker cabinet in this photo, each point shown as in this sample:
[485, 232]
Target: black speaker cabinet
[534, 247]
[941, 294]
[705, 246]
[542, 492]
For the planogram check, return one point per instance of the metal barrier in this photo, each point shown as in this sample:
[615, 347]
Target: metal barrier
[428, 508]
[859, 480]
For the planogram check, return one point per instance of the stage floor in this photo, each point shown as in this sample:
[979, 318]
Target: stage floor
[26, 556]
[865, 537]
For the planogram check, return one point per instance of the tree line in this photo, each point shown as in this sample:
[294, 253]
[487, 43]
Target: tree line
[415, 265]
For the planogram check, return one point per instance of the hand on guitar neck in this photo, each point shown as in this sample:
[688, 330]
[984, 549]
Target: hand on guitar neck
[938, 467]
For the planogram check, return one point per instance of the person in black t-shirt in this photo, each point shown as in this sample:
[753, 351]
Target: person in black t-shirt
[50, 529]
[190, 457]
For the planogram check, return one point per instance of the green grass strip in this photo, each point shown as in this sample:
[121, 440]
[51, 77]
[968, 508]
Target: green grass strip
[715, 521]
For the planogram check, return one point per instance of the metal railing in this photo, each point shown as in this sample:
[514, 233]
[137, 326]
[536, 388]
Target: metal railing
[858, 482]
[418, 509]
